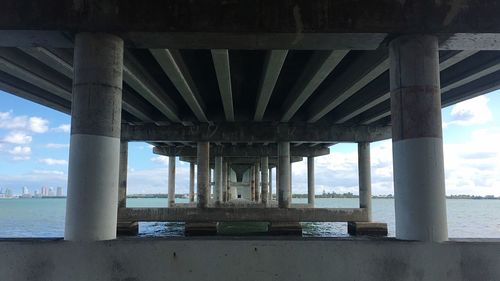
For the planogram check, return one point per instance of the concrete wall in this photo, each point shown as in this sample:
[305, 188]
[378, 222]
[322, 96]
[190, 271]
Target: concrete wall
[241, 259]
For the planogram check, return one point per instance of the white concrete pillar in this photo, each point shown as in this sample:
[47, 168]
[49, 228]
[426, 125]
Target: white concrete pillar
[218, 180]
[252, 183]
[94, 156]
[365, 181]
[417, 139]
[264, 162]
[310, 181]
[284, 175]
[224, 181]
[122, 175]
[270, 185]
[203, 157]
[191, 182]
[257, 182]
[171, 181]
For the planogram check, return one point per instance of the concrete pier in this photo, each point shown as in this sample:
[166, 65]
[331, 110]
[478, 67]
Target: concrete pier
[224, 181]
[310, 181]
[91, 210]
[364, 172]
[171, 181]
[191, 182]
[284, 174]
[257, 182]
[417, 139]
[122, 175]
[270, 185]
[203, 174]
[218, 180]
[264, 161]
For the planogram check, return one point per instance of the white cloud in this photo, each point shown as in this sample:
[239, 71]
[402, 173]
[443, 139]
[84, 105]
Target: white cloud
[48, 172]
[57, 145]
[20, 150]
[63, 128]
[38, 125]
[160, 159]
[18, 138]
[23, 122]
[471, 112]
[20, 153]
[51, 161]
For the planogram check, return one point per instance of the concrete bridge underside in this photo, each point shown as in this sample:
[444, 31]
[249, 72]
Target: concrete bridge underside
[248, 85]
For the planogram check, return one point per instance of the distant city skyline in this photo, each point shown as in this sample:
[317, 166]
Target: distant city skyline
[34, 148]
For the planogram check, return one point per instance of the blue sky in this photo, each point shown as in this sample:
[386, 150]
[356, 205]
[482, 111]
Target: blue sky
[34, 145]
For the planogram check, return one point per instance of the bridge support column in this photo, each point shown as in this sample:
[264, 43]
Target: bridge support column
[417, 139]
[191, 182]
[310, 181]
[124, 226]
[257, 182]
[203, 174]
[92, 202]
[224, 181]
[365, 197]
[171, 181]
[270, 185]
[365, 180]
[284, 174]
[218, 180]
[265, 179]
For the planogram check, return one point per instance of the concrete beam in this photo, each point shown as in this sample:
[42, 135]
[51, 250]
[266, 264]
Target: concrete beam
[232, 214]
[241, 151]
[26, 68]
[25, 90]
[360, 73]
[137, 77]
[223, 72]
[453, 78]
[316, 70]
[252, 24]
[177, 71]
[62, 62]
[255, 132]
[273, 161]
[272, 67]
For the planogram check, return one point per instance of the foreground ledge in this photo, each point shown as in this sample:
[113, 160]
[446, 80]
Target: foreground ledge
[243, 214]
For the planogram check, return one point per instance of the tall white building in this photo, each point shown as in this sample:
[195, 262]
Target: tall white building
[59, 191]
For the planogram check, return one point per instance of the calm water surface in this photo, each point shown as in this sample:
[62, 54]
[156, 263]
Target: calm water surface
[45, 217]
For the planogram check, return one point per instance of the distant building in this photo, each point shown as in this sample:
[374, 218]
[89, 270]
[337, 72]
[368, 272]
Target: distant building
[45, 191]
[51, 192]
[59, 191]
[25, 190]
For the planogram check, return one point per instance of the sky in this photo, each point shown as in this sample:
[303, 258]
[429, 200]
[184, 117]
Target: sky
[34, 147]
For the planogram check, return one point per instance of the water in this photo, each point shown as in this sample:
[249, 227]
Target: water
[45, 217]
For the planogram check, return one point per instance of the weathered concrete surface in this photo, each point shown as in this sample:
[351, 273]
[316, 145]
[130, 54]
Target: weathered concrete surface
[365, 178]
[244, 132]
[281, 24]
[244, 214]
[244, 259]
[367, 228]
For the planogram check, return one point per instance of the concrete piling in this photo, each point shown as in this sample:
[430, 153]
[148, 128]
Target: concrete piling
[419, 187]
[310, 181]
[284, 174]
[92, 200]
[171, 181]
[265, 179]
[203, 174]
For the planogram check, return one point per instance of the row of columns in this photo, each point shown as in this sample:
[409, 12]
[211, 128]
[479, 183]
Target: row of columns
[93, 172]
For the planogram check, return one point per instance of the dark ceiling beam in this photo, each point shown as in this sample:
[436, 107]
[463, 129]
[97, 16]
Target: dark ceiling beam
[23, 89]
[26, 68]
[222, 67]
[137, 77]
[241, 151]
[254, 132]
[273, 161]
[385, 95]
[361, 72]
[317, 69]
[65, 66]
[252, 24]
[272, 67]
[473, 89]
[177, 71]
